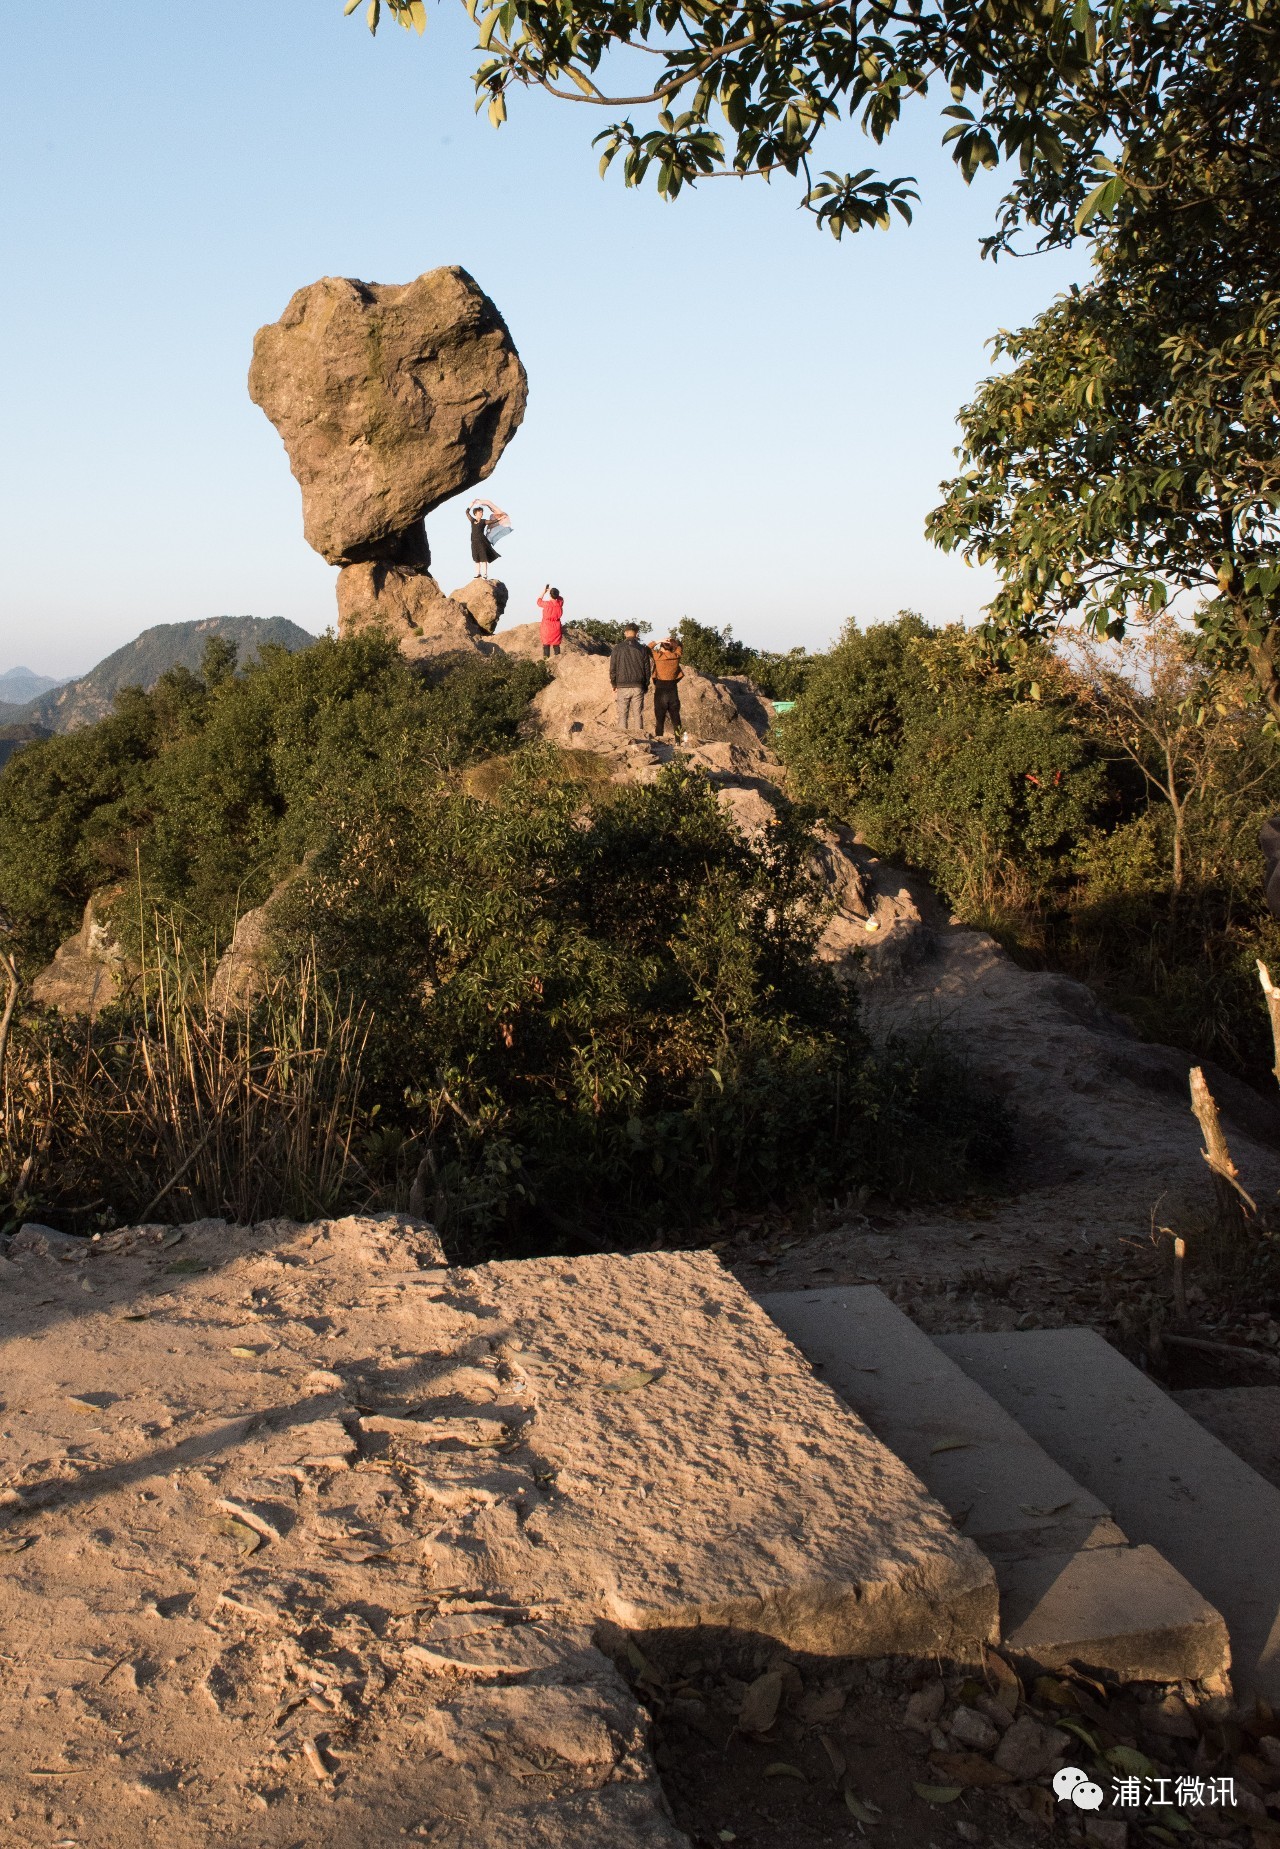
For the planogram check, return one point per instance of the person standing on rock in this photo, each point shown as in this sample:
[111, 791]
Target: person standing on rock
[551, 628]
[630, 665]
[485, 521]
[667, 675]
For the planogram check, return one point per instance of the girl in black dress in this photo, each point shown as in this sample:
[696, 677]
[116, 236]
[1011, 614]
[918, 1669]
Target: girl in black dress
[484, 516]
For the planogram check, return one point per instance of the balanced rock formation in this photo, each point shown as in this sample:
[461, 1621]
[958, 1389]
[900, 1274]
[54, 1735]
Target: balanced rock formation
[389, 399]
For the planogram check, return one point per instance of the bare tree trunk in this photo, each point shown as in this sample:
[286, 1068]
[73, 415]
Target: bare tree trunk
[1272, 994]
[1232, 1199]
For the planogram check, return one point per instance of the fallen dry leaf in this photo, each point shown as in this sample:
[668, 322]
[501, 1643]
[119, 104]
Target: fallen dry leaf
[632, 1381]
[1029, 1508]
[250, 1354]
[865, 1813]
[14, 1543]
[839, 1764]
[245, 1538]
[951, 1444]
[968, 1770]
[780, 1769]
[759, 1707]
[938, 1794]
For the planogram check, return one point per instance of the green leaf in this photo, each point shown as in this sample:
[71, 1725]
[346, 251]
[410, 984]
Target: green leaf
[939, 1794]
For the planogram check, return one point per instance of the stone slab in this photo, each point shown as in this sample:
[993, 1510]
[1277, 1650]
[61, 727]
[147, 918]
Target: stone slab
[312, 1539]
[1246, 1419]
[994, 1480]
[732, 1489]
[1168, 1480]
[1067, 1578]
[1122, 1609]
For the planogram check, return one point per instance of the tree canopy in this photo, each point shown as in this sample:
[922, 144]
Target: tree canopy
[1132, 449]
[1082, 96]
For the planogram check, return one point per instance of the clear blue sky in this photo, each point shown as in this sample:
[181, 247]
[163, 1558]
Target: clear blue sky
[730, 415]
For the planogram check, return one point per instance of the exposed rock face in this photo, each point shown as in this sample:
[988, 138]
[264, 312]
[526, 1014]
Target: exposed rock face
[389, 398]
[408, 605]
[89, 971]
[244, 969]
[485, 599]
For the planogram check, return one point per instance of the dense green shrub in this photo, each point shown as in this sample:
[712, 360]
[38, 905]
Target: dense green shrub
[580, 1013]
[987, 780]
[207, 789]
[718, 652]
[609, 1005]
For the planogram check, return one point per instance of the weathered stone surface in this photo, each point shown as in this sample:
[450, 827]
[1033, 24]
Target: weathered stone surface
[389, 399]
[406, 605]
[89, 971]
[244, 969]
[31, 1236]
[484, 599]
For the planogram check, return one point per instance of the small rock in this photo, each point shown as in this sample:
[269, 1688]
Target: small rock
[973, 1729]
[995, 1711]
[1106, 1832]
[925, 1706]
[968, 1832]
[1170, 1718]
[939, 1741]
[1028, 1748]
[31, 1236]
[1269, 1749]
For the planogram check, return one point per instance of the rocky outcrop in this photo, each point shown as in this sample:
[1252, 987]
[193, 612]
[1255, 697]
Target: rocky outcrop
[390, 398]
[406, 605]
[245, 967]
[484, 599]
[89, 971]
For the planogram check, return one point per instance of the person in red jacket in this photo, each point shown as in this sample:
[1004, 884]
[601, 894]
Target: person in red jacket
[551, 628]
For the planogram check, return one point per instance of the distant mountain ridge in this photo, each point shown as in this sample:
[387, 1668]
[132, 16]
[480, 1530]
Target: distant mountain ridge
[140, 663]
[18, 686]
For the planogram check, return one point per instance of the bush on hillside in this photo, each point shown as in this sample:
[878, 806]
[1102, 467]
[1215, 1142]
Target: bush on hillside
[581, 1013]
[718, 652]
[986, 780]
[1036, 799]
[202, 793]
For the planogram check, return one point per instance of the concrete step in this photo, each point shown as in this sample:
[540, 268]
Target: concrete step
[1072, 1589]
[1169, 1482]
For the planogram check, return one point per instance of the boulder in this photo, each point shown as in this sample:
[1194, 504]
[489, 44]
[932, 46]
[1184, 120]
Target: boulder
[389, 399]
[484, 599]
[89, 971]
[406, 605]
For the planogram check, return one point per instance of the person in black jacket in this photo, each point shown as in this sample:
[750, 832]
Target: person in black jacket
[630, 665]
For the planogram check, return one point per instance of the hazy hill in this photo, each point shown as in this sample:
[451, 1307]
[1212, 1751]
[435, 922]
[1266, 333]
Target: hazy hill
[140, 663]
[20, 685]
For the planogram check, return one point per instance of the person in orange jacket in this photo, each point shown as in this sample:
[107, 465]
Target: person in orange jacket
[667, 675]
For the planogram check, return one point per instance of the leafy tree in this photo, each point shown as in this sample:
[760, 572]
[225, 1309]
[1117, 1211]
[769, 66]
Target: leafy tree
[1077, 93]
[1132, 448]
[984, 778]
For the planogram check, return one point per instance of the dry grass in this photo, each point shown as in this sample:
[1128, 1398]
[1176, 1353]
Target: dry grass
[175, 1111]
